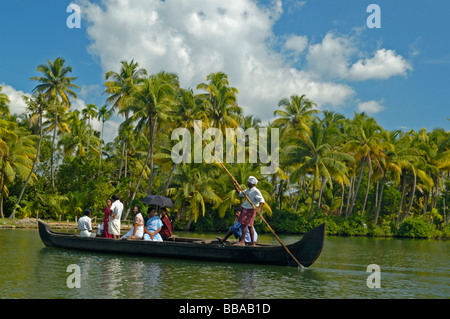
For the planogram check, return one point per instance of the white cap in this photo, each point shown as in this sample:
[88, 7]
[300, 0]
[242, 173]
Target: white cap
[252, 180]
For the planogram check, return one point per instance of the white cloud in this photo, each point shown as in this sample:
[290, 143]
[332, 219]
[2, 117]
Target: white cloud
[17, 104]
[194, 38]
[332, 58]
[296, 43]
[371, 107]
[383, 65]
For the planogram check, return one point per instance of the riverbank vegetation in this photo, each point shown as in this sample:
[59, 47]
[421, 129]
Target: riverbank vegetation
[361, 179]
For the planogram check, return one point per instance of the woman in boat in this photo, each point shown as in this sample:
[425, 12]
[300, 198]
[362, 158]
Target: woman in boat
[107, 211]
[137, 231]
[166, 229]
[153, 226]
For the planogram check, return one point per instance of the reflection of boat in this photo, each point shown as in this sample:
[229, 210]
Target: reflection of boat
[306, 250]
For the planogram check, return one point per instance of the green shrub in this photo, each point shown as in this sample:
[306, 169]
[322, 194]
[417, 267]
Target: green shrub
[415, 228]
[380, 231]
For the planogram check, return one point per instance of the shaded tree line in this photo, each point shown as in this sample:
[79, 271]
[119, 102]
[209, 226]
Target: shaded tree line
[55, 163]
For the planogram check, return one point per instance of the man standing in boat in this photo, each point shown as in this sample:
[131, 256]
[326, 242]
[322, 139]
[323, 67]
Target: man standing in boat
[114, 220]
[248, 214]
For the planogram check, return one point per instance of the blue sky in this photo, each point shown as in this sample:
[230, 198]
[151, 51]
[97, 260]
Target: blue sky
[399, 73]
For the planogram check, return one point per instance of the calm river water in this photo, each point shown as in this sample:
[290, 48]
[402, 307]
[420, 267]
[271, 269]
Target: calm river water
[408, 269]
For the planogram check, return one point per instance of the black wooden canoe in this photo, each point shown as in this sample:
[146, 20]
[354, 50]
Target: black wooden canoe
[306, 250]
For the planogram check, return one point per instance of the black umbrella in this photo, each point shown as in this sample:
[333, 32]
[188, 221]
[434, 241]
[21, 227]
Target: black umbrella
[157, 200]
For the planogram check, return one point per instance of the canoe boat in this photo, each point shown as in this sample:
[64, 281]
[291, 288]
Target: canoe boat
[306, 250]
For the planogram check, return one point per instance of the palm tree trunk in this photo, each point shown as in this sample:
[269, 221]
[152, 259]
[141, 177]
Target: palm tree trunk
[121, 158]
[89, 134]
[342, 200]
[169, 179]
[380, 197]
[425, 205]
[376, 192]
[357, 189]
[349, 196]
[402, 199]
[101, 150]
[32, 168]
[124, 143]
[312, 199]
[298, 197]
[324, 182]
[52, 171]
[136, 189]
[2, 183]
[280, 194]
[412, 197]
[152, 133]
[367, 194]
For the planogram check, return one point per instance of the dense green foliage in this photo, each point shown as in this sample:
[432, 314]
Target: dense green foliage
[349, 172]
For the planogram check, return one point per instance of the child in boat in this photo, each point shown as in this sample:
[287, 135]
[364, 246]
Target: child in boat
[236, 230]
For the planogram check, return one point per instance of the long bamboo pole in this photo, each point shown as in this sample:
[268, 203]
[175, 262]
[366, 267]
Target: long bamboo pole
[235, 183]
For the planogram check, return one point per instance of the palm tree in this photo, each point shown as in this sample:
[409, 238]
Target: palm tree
[120, 86]
[89, 112]
[103, 115]
[221, 109]
[193, 189]
[150, 100]
[17, 154]
[73, 139]
[37, 105]
[4, 101]
[187, 109]
[297, 114]
[391, 165]
[317, 158]
[365, 146]
[293, 120]
[56, 86]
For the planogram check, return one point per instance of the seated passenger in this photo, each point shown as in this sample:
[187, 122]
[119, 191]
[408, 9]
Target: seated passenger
[137, 231]
[166, 229]
[153, 226]
[84, 224]
[236, 230]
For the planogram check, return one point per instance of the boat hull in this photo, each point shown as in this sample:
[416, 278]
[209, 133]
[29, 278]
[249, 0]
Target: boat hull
[307, 250]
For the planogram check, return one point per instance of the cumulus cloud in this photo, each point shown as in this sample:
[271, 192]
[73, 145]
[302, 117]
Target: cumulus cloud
[193, 38]
[296, 43]
[371, 107]
[17, 105]
[332, 58]
[383, 65]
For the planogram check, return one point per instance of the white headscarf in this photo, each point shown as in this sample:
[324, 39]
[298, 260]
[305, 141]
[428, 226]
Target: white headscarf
[252, 180]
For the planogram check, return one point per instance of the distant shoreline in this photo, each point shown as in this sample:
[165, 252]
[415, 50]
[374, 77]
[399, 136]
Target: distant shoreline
[31, 223]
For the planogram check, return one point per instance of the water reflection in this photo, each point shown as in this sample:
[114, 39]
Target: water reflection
[409, 269]
[102, 276]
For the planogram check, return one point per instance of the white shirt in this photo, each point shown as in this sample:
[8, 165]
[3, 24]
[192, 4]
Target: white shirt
[84, 223]
[255, 196]
[116, 209]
